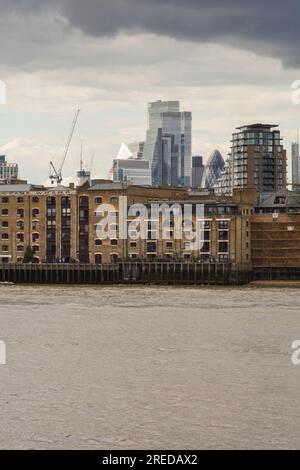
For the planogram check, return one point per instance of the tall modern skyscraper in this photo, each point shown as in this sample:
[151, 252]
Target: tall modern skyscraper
[168, 145]
[295, 165]
[257, 161]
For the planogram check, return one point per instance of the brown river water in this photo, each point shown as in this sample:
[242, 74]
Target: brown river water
[149, 368]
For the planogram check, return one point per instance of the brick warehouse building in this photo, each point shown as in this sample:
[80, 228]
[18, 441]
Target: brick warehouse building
[37, 217]
[59, 224]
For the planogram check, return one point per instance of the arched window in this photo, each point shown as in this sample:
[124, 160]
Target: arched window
[35, 212]
[35, 237]
[114, 258]
[98, 258]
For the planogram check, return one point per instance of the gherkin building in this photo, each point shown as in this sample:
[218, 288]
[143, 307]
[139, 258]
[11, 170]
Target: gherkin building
[213, 170]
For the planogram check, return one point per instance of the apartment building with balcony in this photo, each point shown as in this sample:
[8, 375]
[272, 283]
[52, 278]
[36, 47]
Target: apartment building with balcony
[257, 161]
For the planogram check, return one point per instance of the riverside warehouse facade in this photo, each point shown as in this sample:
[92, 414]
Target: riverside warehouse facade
[60, 224]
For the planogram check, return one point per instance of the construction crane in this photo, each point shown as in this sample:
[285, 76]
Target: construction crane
[56, 175]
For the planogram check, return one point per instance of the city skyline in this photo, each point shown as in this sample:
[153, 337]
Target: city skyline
[87, 163]
[165, 121]
[149, 229]
[112, 70]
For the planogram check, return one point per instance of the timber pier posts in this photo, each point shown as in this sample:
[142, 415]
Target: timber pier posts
[140, 272]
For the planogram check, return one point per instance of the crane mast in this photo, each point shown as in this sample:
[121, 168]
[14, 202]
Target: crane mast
[56, 174]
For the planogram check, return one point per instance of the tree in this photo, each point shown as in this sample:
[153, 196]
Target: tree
[28, 255]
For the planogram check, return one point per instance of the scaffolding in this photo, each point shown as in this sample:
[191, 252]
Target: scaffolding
[275, 240]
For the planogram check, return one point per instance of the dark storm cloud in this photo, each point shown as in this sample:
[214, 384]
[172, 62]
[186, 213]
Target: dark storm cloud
[269, 27]
[24, 6]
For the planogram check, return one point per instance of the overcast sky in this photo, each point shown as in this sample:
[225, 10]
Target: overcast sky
[229, 62]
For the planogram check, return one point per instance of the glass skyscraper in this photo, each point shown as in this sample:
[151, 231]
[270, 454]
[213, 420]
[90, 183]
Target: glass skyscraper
[213, 170]
[197, 171]
[168, 145]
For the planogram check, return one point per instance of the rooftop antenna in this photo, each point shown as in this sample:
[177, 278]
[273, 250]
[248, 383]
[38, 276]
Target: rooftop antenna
[81, 160]
[82, 175]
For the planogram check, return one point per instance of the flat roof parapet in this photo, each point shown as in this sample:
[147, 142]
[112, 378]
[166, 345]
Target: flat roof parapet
[259, 126]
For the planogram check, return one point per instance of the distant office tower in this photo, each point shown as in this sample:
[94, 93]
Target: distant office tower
[132, 171]
[295, 165]
[136, 149]
[8, 171]
[168, 145]
[257, 161]
[213, 170]
[197, 171]
[83, 176]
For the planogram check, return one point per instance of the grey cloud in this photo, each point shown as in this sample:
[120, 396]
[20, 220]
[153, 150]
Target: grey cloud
[268, 27]
[25, 6]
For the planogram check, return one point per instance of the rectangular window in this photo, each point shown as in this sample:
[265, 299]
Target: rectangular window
[223, 235]
[20, 213]
[223, 247]
[206, 248]
[223, 225]
[151, 247]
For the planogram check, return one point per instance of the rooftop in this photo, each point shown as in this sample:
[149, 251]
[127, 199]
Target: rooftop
[7, 188]
[258, 126]
[279, 199]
